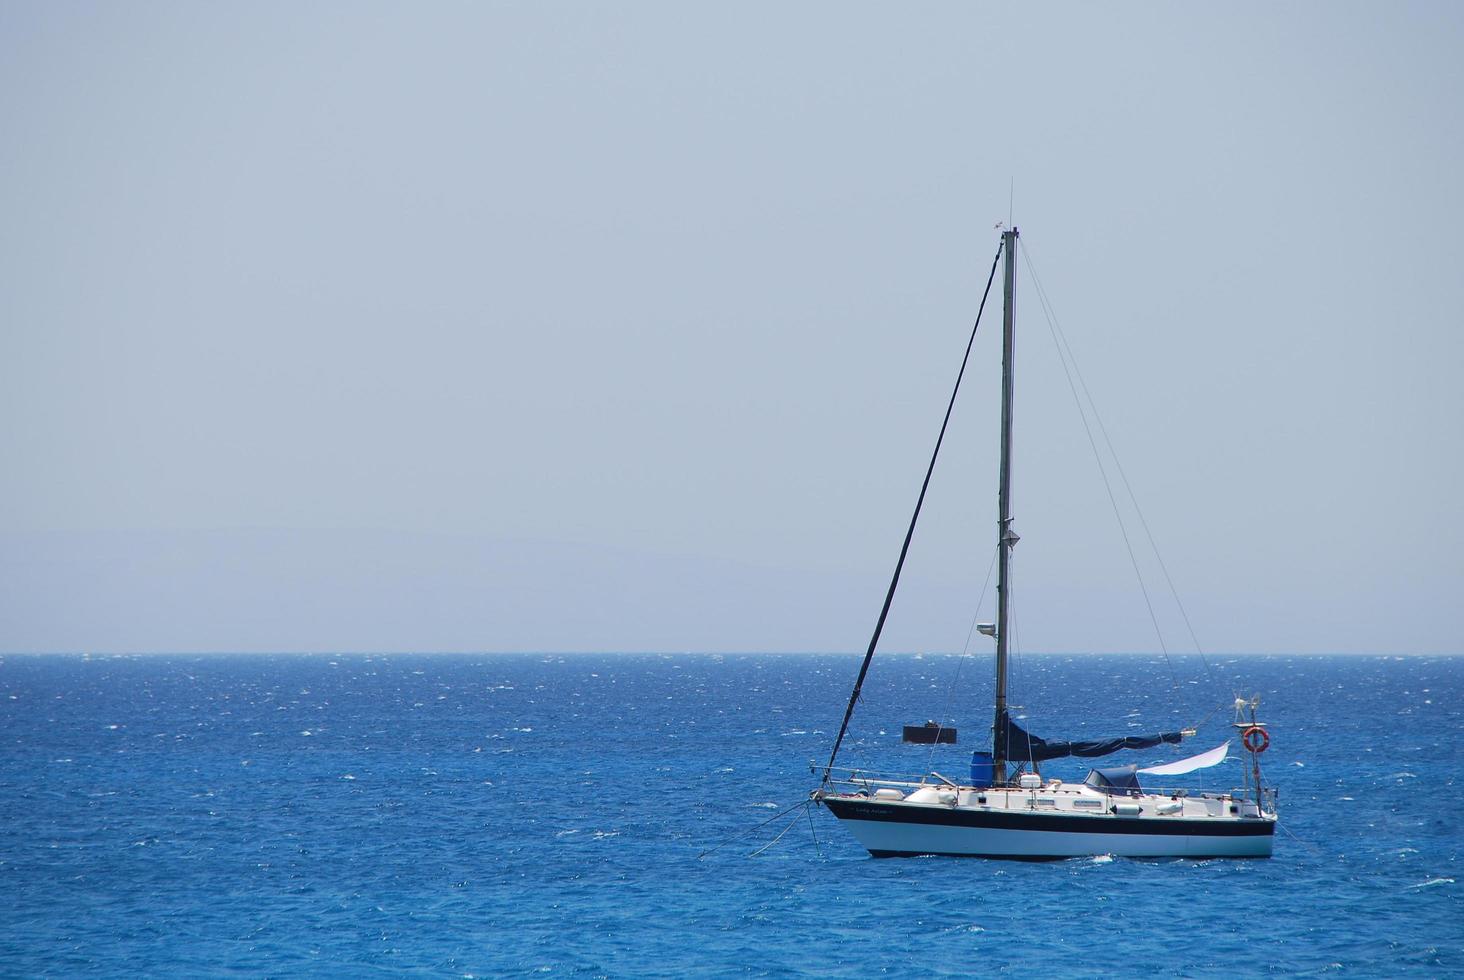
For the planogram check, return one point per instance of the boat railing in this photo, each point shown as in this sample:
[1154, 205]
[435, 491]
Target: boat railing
[868, 780]
[871, 779]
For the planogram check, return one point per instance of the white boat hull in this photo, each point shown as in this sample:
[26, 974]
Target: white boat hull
[908, 830]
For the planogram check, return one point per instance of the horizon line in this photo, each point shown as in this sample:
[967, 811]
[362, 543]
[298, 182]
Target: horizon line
[707, 653]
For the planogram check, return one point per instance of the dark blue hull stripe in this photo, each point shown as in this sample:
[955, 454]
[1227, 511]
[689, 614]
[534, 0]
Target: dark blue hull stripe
[1032, 857]
[1048, 822]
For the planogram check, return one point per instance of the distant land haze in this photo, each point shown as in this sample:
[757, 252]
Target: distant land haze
[354, 590]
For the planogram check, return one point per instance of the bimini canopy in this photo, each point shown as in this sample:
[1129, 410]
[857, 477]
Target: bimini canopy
[1017, 745]
[1120, 779]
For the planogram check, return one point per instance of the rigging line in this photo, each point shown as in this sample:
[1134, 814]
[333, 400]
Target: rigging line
[1213, 711]
[905, 548]
[1014, 661]
[1123, 475]
[961, 661]
[1017, 651]
[1314, 849]
[1107, 485]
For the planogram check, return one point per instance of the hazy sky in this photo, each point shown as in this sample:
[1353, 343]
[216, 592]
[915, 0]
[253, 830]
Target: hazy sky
[582, 327]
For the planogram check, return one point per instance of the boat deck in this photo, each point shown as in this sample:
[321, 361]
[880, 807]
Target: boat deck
[1053, 820]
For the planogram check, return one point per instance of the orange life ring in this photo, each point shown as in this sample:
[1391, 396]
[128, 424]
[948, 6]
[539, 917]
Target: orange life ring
[1255, 739]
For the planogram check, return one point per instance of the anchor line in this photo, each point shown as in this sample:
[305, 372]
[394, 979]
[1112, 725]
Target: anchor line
[752, 830]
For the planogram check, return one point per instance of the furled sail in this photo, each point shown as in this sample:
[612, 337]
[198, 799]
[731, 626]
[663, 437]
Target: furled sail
[1016, 744]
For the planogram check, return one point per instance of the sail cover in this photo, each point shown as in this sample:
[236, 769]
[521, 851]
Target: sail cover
[1181, 766]
[1020, 746]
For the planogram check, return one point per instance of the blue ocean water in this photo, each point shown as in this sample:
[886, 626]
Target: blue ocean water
[530, 815]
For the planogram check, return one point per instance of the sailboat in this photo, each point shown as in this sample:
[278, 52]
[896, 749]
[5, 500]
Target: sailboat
[1008, 808]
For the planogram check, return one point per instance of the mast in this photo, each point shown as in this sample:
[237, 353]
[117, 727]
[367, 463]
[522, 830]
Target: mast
[1005, 536]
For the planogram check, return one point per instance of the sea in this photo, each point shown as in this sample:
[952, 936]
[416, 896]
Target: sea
[641, 815]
